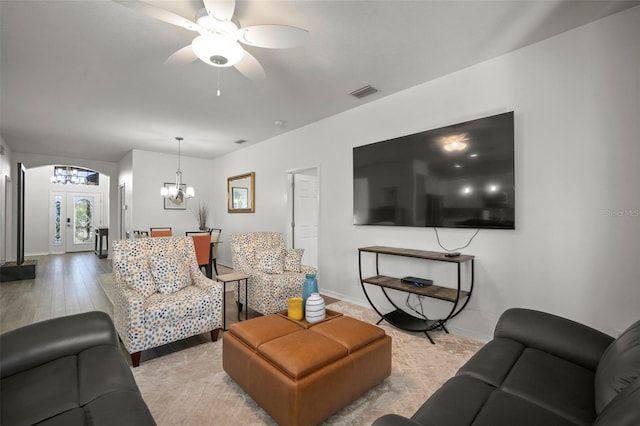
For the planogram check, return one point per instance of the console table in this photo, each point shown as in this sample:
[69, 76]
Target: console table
[100, 234]
[399, 317]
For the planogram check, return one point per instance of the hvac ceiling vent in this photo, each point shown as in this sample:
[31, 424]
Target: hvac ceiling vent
[240, 141]
[364, 91]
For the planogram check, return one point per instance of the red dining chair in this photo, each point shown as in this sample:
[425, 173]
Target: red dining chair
[202, 244]
[160, 232]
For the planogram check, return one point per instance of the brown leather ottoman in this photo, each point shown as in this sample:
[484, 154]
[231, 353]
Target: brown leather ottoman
[302, 373]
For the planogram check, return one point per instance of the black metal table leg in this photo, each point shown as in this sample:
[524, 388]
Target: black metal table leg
[224, 306]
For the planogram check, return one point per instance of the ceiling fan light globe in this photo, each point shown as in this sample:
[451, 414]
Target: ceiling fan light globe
[217, 50]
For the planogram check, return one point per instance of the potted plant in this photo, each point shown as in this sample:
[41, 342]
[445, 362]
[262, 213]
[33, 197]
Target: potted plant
[201, 213]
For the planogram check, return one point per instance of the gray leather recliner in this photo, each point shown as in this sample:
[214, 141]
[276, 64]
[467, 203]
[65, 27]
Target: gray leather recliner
[540, 369]
[68, 371]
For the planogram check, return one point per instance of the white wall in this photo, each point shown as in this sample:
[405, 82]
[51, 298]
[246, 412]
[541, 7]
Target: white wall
[142, 173]
[126, 178]
[38, 235]
[575, 250]
[31, 161]
[6, 204]
[150, 171]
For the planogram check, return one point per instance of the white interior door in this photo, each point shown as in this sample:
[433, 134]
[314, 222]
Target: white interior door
[305, 216]
[123, 210]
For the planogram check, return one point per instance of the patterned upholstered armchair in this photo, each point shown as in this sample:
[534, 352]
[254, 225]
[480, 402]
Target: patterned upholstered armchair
[161, 294]
[275, 273]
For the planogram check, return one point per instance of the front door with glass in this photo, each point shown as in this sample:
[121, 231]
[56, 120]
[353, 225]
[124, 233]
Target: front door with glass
[75, 217]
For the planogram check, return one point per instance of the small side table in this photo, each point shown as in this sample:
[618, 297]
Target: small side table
[100, 234]
[229, 278]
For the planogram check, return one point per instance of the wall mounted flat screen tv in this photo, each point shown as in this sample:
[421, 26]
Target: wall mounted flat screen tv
[459, 176]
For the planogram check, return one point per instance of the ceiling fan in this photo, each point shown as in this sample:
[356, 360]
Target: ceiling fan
[219, 35]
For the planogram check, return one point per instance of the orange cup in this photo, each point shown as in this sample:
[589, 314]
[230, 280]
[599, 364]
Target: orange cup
[295, 308]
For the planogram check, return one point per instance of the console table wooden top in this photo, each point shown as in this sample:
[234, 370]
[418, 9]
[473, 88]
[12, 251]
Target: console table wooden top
[421, 254]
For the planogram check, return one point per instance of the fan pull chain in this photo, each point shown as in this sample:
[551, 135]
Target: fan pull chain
[218, 82]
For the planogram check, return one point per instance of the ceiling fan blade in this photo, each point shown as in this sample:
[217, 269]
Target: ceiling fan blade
[182, 56]
[273, 36]
[159, 14]
[250, 67]
[222, 10]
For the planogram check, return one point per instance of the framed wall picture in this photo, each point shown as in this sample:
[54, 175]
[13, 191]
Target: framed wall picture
[177, 202]
[241, 193]
[239, 197]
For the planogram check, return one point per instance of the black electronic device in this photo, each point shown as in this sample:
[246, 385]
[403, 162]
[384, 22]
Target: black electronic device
[458, 176]
[452, 254]
[418, 282]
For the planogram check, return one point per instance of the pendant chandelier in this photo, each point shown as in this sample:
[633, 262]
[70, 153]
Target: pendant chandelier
[179, 191]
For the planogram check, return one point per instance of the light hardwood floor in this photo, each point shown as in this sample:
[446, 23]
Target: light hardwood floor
[67, 284]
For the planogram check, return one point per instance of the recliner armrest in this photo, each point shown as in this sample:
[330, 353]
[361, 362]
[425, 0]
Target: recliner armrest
[394, 420]
[38, 343]
[562, 337]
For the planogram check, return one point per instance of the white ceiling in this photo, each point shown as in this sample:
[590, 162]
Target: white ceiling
[87, 79]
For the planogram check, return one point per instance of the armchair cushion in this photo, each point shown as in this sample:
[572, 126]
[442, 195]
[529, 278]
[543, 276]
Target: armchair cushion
[170, 273]
[137, 275]
[293, 259]
[269, 260]
[190, 303]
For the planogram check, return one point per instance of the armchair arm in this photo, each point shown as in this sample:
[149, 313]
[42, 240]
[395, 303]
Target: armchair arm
[38, 343]
[550, 333]
[128, 316]
[240, 263]
[308, 269]
[215, 287]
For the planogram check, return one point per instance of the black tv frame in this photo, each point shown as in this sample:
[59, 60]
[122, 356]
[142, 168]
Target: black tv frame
[20, 215]
[434, 204]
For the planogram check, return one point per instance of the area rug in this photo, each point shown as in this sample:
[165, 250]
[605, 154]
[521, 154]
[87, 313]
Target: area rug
[107, 283]
[189, 387]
